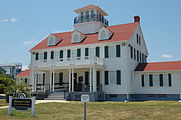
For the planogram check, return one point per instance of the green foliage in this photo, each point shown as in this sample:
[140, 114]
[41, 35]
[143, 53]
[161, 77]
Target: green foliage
[16, 90]
[5, 81]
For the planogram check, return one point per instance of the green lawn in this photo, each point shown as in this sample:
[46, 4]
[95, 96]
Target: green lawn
[3, 103]
[151, 110]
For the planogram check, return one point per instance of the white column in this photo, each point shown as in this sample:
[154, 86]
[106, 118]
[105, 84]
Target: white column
[35, 80]
[90, 79]
[69, 79]
[53, 80]
[72, 80]
[103, 78]
[50, 80]
[94, 80]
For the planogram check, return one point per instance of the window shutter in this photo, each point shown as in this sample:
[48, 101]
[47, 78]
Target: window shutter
[52, 54]
[78, 52]
[97, 52]
[106, 51]
[169, 80]
[61, 53]
[36, 56]
[161, 79]
[86, 51]
[106, 77]
[118, 77]
[45, 55]
[118, 51]
[142, 80]
[151, 80]
[68, 53]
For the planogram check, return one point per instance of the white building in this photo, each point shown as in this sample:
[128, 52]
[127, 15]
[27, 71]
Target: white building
[106, 62]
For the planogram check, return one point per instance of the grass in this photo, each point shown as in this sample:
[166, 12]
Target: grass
[3, 103]
[150, 110]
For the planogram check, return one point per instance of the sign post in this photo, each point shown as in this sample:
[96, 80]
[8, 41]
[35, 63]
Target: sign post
[85, 99]
[22, 104]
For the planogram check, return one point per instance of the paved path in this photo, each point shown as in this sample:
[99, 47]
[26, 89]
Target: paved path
[43, 101]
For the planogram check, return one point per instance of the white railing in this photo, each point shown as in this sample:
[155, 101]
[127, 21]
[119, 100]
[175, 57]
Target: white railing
[69, 61]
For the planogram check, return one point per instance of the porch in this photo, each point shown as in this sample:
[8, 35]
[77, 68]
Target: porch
[72, 81]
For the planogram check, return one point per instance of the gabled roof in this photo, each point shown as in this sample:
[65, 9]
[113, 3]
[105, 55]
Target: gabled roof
[159, 66]
[92, 6]
[122, 32]
[24, 73]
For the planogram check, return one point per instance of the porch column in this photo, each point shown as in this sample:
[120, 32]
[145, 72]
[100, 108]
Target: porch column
[33, 80]
[69, 80]
[72, 80]
[50, 80]
[90, 79]
[53, 80]
[94, 80]
[103, 79]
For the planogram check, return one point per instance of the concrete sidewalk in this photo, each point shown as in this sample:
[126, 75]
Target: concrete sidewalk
[43, 101]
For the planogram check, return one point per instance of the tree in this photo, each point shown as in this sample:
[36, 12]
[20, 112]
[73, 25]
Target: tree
[5, 81]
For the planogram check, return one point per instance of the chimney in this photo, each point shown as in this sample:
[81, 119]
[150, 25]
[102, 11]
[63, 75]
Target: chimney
[136, 19]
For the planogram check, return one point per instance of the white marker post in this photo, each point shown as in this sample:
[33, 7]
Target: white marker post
[10, 105]
[85, 99]
[33, 107]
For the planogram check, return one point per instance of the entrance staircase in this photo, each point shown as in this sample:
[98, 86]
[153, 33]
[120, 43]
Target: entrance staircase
[56, 96]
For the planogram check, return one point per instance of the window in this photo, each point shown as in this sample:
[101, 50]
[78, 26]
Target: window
[134, 54]
[36, 56]
[118, 72]
[143, 58]
[103, 35]
[86, 78]
[97, 52]
[137, 56]
[76, 38]
[161, 79]
[137, 38]
[61, 53]
[118, 51]
[106, 77]
[86, 51]
[52, 55]
[78, 52]
[106, 51]
[45, 55]
[142, 80]
[151, 80]
[131, 51]
[140, 56]
[169, 80]
[68, 53]
[60, 78]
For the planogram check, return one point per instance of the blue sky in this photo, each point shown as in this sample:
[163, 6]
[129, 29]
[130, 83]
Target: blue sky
[23, 23]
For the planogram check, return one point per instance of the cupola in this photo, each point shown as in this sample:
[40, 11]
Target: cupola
[90, 19]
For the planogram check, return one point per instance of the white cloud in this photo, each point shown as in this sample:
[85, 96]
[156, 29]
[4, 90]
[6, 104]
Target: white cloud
[10, 20]
[168, 56]
[30, 42]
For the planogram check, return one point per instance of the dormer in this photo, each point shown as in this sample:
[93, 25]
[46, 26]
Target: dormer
[77, 37]
[53, 40]
[104, 34]
[90, 19]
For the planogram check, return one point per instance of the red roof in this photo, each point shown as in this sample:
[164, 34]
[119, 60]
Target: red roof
[159, 66]
[24, 73]
[121, 32]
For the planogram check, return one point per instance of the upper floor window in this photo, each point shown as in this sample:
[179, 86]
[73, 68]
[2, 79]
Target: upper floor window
[36, 56]
[86, 51]
[61, 53]
[131, 51]
[137, 56]
[68, 53]
[52, 55]
[134, 54]
[78, 52]
[106, 48]
[97, 52]
[118, 51]
[45, 55]
[137, 38]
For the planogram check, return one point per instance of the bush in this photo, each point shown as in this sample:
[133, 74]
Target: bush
[16, 90]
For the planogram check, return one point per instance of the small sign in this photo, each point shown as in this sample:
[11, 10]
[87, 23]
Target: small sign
[85, 98]
[21, 104]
